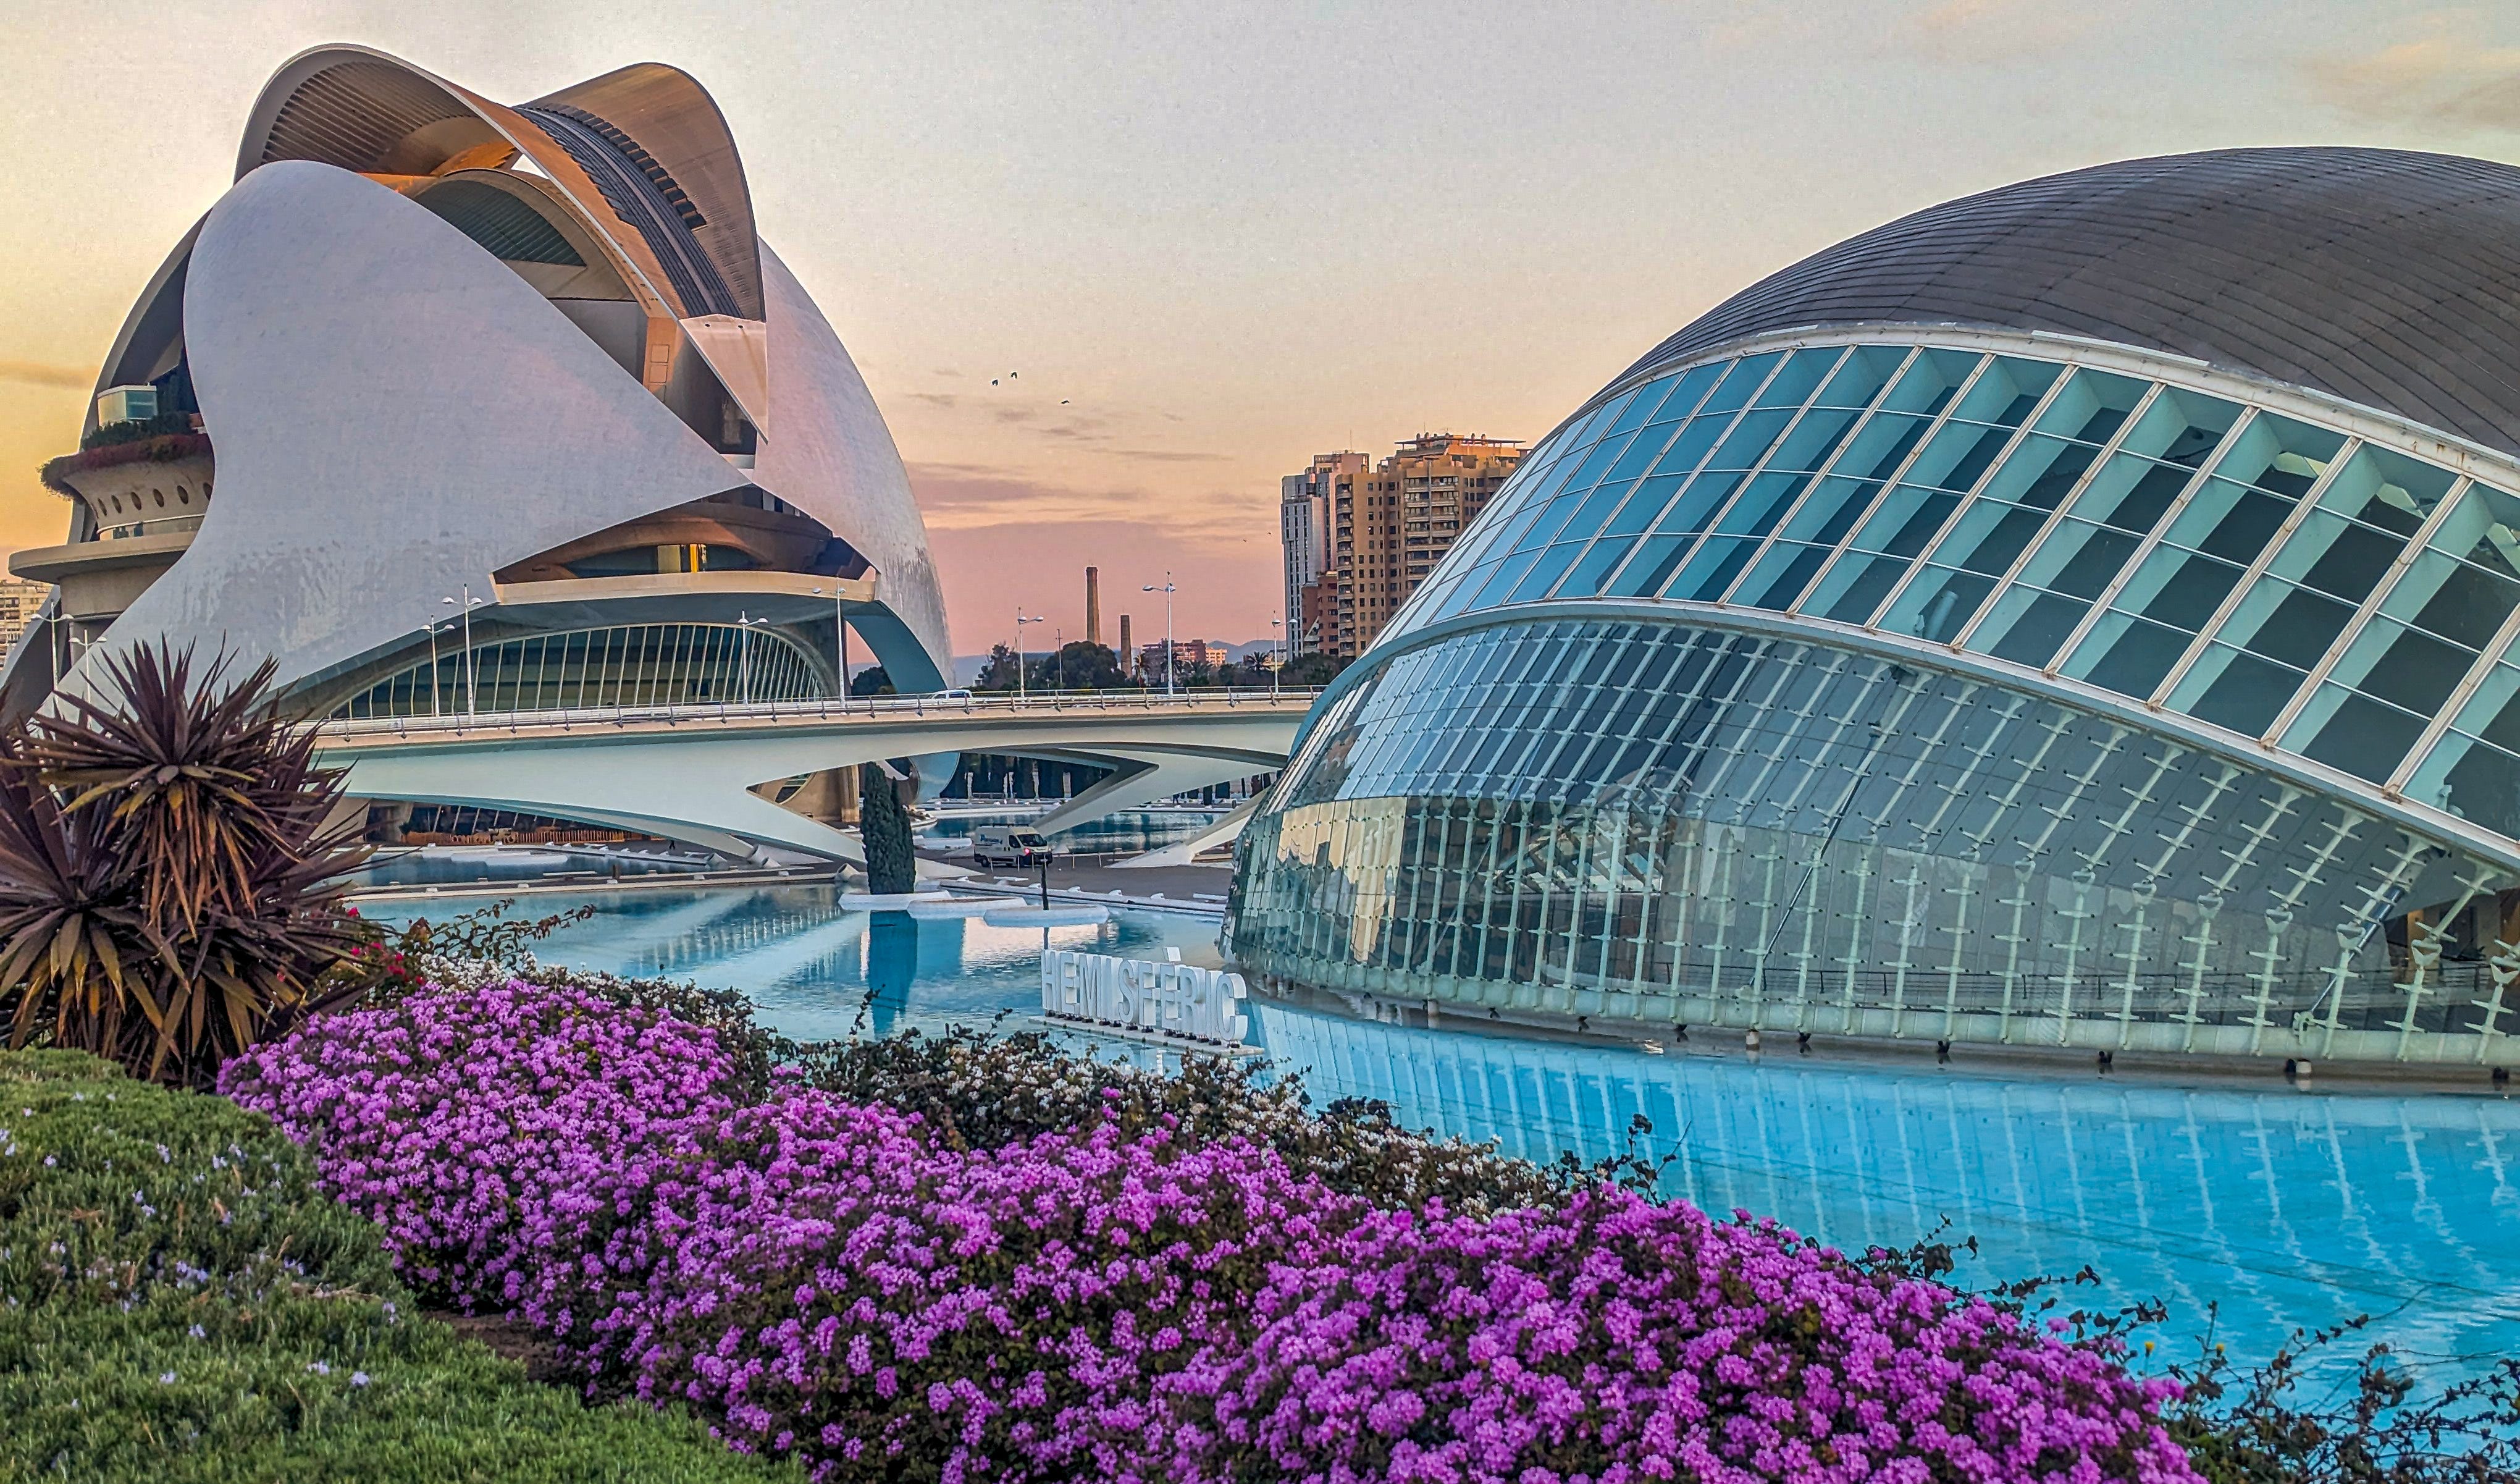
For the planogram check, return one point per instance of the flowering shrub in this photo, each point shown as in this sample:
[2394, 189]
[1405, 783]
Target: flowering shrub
[1126, 1297]
[976, 1091]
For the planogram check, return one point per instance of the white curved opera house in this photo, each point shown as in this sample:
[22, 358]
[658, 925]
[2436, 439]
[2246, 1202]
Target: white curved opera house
[433, 347]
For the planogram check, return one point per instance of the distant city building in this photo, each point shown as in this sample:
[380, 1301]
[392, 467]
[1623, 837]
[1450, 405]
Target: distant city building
[20, 602]
[1389, 529]
[1305, 502]
[1187, 653]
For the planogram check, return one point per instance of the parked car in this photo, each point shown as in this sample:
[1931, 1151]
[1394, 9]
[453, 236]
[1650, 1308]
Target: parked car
[1008, 846]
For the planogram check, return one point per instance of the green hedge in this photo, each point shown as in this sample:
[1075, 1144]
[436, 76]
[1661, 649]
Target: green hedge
[178, 1302]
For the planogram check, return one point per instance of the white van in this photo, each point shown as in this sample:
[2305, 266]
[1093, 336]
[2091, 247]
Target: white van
[1008, 846]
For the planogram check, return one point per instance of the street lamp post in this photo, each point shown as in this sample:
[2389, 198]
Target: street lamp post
[1277, 644]
[841, 623]
[744, 624]
[432, 668]
[465, 608]
[1021, 621]
[1167, 591]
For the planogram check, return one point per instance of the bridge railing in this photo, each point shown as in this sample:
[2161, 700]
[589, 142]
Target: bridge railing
[876, 708]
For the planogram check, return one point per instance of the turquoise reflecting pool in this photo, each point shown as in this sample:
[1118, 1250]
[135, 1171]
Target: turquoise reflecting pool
[458, 865]
[2288, 1209]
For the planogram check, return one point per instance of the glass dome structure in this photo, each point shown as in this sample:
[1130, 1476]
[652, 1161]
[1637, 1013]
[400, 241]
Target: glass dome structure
[2077, 616]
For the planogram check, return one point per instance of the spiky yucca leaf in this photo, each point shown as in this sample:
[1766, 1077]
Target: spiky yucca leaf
[169, 892]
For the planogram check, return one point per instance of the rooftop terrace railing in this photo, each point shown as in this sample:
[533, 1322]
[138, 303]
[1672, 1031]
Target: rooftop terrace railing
[161, 526]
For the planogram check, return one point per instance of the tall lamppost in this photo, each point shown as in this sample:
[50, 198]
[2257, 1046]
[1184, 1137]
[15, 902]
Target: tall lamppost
[1167, 591]
[435, 628]
[465, 608]
[840, 624]
[1277, 648]
[1021, 621]
[744, 626]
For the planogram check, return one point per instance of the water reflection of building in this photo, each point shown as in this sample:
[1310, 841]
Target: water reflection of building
[2287, 1210]
[2080, 614]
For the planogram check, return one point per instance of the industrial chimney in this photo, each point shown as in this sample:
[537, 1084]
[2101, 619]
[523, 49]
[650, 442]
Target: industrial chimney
[1093, 605]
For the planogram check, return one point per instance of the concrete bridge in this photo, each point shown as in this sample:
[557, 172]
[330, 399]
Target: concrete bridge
[694, 773]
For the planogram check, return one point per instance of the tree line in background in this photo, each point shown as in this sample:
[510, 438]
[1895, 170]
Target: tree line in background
[1084, 666]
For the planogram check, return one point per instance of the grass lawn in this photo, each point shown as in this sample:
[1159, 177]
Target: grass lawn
[179, 1302]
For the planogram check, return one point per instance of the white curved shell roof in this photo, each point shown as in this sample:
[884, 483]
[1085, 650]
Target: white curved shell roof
[397, 415]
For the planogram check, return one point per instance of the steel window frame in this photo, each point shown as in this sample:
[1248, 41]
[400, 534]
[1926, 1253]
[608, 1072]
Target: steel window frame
[2320, 780]
[2211, 633]
[2144, 545]
[1941, 421]
[2381, 591]
[1970, 499]
[1828, 471]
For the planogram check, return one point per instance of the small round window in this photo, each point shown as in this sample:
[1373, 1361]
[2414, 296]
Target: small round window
[161, 498]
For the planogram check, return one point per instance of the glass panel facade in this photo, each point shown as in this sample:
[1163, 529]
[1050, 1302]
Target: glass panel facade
[655, 665]
[2248, 570]
[1666, 821]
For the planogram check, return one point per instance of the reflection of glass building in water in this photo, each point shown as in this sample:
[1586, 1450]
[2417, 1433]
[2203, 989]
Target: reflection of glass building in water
[2079, 614]
[2285, 1211]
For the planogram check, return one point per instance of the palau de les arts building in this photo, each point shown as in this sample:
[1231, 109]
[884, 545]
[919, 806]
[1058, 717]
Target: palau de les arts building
[429, 346]
[2078, 614]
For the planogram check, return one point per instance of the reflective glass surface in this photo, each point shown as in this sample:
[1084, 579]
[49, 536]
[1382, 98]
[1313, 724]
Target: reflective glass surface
[1673, 823]
[2248, 570]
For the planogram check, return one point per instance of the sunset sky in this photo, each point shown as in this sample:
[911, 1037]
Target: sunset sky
[1211, 240]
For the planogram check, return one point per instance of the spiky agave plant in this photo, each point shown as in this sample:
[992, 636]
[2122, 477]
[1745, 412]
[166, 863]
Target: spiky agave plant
[170, 890]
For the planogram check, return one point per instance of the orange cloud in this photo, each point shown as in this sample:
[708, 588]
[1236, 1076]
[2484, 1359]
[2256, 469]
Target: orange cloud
[2452, 75]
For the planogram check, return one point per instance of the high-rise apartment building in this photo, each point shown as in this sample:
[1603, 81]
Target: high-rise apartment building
[20, 600]
[1388, 529]
[1305, 504]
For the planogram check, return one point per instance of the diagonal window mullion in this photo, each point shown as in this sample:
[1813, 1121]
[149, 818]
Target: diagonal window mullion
[2478, 671]
[1820, 476]
[2143, 547]
[2381, 590]
[1970, 498]
[2211, 632]
[1855, 532]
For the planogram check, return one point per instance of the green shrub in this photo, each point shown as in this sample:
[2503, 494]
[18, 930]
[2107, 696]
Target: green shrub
[179, 1302]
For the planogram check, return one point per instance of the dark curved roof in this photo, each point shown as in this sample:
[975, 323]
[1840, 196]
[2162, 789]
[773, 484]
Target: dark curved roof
[2384, 277]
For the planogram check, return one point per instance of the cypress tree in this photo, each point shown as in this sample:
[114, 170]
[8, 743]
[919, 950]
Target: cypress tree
[884, 826]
